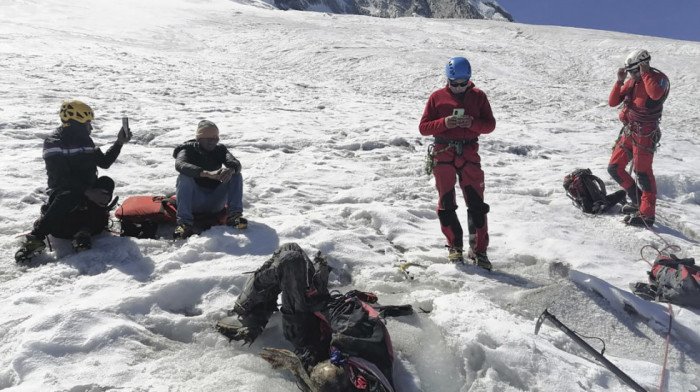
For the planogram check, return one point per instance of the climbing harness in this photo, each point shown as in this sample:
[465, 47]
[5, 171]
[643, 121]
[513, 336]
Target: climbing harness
[457, 144]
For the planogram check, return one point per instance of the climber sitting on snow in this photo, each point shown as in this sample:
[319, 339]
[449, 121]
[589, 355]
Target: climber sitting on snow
[79, 201]
[339, 340]
[210, 178]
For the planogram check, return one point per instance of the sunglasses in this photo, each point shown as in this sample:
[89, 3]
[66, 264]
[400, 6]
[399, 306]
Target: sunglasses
[455, 84]
[633, 70]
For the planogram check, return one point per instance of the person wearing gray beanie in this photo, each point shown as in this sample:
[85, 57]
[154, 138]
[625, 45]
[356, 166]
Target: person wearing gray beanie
[209, 181]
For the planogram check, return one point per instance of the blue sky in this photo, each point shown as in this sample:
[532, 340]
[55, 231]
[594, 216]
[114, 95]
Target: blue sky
[677, 19]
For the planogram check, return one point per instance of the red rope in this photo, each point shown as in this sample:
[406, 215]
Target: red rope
[670, 309]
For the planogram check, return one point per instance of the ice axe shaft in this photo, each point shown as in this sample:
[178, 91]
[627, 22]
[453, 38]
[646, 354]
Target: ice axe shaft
[609, 365]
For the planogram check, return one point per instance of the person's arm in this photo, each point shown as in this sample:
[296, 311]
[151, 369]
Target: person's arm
[430, 123]
[60, 176]
[656, 85]
[485, 122]
[617, 94]
[184, 167]
[58, 170]
[232, 163]
[107, 159]
[231, 168]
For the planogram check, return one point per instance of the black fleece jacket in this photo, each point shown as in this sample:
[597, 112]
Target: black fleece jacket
[191, 160]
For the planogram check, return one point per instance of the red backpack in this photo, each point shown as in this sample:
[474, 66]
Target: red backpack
[140, 215]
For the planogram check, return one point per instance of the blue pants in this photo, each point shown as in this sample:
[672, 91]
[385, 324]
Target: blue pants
[192, 198]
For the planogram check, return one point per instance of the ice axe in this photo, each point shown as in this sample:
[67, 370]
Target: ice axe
[599, 356]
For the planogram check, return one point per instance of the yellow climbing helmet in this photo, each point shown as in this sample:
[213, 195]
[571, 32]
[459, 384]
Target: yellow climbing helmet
[77, 111]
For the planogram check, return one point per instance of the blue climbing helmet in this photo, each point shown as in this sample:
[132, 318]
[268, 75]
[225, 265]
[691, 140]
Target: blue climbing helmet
[458, 68]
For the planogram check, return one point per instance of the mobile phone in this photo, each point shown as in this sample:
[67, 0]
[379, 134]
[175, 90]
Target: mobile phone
[458, 112]
[125, 126]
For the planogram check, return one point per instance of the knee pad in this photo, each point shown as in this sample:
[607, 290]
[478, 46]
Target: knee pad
[448, 201]
[643, 181]
[612, 170]
[447, 217]
[477, 208]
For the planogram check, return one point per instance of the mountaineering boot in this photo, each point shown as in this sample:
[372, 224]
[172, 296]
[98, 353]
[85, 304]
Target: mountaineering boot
[480, 259]
[639, 220]
[628, 209]
[456, 254]
[237, 221]
[82, 240]
[32, 246]
[239, 328]
[183, 231]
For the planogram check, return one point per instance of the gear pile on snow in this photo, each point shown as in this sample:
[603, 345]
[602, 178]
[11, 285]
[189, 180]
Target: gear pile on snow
[588, 192]
[672, 280]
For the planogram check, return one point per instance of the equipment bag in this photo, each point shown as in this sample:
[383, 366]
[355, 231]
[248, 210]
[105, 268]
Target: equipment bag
[140, 215]
[588, 192]
[360, 341]
[676, 280]
[88, 216]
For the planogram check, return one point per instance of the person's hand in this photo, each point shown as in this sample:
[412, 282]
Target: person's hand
[225, 174]
[214, 175]
[465, 121]
[644, 67]
[450, 122]
[621, 75]
[98, 196]
[122, 137]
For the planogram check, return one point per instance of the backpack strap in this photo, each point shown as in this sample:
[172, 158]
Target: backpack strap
[673, 261]
[601, 184]
[167, 203]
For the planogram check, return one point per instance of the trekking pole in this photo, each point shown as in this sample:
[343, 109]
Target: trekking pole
[619, 373]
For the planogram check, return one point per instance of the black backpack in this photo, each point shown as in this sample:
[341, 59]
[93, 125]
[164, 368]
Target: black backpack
[676, 280]
[360, 336]
[671, 280]
[588, 192]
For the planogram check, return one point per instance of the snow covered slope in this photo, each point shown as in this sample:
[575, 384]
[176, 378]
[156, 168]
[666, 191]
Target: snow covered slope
[323, 112]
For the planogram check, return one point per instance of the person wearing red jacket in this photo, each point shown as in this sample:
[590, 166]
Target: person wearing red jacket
[456, 116]
[642, 97]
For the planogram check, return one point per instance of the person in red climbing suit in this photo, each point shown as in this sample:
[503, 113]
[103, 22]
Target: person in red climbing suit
[456, 116]
[642, 97]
